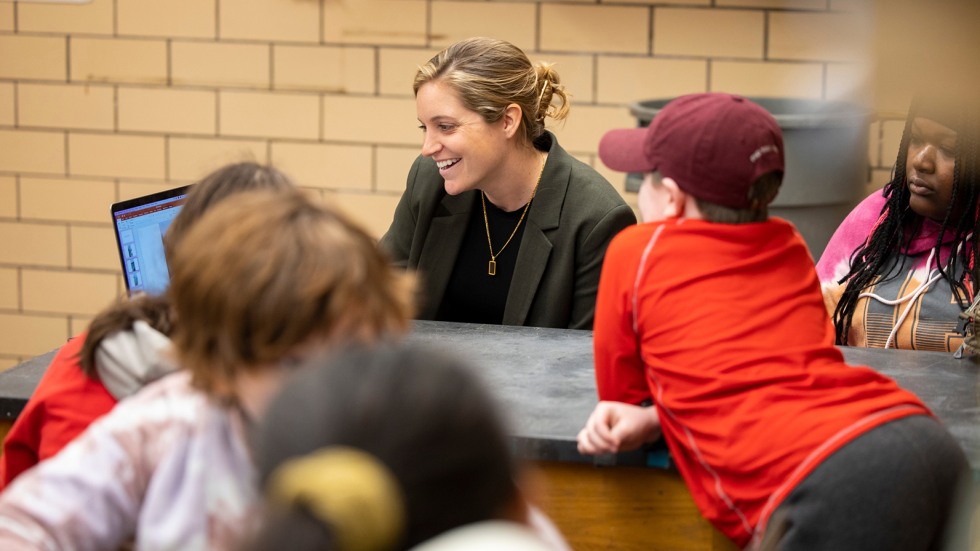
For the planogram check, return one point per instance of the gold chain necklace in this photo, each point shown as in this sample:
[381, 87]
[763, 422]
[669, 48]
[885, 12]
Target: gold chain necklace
[492, 266]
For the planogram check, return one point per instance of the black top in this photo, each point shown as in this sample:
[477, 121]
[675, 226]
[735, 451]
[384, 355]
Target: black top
[472, 294]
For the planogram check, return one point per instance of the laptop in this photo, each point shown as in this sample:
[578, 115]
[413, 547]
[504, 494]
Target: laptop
[139, 224]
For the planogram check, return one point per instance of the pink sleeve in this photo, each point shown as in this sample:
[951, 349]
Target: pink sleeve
[835, 261]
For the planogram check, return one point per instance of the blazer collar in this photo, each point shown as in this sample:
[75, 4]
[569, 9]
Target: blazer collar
[550, 198]
[536, 245]
[446, 233]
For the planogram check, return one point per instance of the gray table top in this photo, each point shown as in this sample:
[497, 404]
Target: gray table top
[544, 377]
[544, 380]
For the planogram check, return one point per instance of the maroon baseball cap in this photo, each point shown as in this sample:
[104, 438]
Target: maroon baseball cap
[713, 145]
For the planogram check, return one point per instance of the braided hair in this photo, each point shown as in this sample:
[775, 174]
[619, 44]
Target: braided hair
[899, 224]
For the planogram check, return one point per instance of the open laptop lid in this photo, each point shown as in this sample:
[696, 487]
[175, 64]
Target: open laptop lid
[139, 225]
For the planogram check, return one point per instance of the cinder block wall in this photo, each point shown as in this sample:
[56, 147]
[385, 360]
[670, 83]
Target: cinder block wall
[117, 98]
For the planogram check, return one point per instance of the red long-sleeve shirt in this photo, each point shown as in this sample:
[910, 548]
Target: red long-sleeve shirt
[724, 327]
[65, 402]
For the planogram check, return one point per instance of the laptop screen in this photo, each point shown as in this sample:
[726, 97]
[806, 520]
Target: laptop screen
[140, 224]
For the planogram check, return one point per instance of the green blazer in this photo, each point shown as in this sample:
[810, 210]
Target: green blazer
[575, 214]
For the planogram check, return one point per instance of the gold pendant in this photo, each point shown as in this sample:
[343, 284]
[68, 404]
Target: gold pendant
[492, 268]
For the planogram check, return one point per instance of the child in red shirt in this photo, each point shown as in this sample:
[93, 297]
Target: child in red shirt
[125, 347]
[713, 315]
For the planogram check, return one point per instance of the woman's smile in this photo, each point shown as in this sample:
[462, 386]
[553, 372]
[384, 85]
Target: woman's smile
[446, 164]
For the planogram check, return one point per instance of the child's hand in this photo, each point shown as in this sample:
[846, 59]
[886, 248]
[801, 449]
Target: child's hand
[615, 427]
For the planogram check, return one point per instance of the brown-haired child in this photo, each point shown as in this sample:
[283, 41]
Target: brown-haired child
[170, 466]
[125, 347]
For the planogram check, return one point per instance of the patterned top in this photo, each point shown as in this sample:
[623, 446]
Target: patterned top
[911, 306]
[167, 467]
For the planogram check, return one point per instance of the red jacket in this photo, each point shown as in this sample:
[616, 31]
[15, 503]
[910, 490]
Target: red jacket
[723, 326]
[65, 402]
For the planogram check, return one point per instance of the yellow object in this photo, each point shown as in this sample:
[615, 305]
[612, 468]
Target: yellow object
[348, 490]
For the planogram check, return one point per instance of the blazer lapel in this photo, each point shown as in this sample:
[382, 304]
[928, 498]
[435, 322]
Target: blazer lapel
[442, 244]
[543, 218]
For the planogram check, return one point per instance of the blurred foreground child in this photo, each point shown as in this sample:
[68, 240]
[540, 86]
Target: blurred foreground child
[125, 347]
[261, 281]
[381, 449]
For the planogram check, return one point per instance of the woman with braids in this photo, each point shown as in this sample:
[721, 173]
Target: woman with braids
[902, 266]
[503, 225]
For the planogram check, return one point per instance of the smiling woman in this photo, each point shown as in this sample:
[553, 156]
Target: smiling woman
[903, 265]
[503, 225]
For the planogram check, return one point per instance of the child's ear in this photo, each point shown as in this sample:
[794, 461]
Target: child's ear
[676, 198]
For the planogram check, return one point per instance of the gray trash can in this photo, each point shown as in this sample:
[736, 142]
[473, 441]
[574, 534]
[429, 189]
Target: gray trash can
[826, 161]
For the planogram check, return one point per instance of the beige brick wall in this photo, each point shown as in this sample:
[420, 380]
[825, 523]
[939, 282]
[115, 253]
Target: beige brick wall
[119, 60]
[395, 23]
[167, 111]
[77, 200]
[344, 70]
[269, 20]
[54, 292]
[709, 33]
[219, 64]
[75, 106]
[7, 108]
[120, 155]
[9, 298]
[27, 151]
[92, 247]
[510, 21]
[325, 166]
[397, 67]
[33, 244]
[268, 114]
[94, 18]
[769, 78]
[6, 17]
[117, 98]
[815, 36]
[42, 57]
[189, 158]
[8, 197]
[171, 19]
[592, 28]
